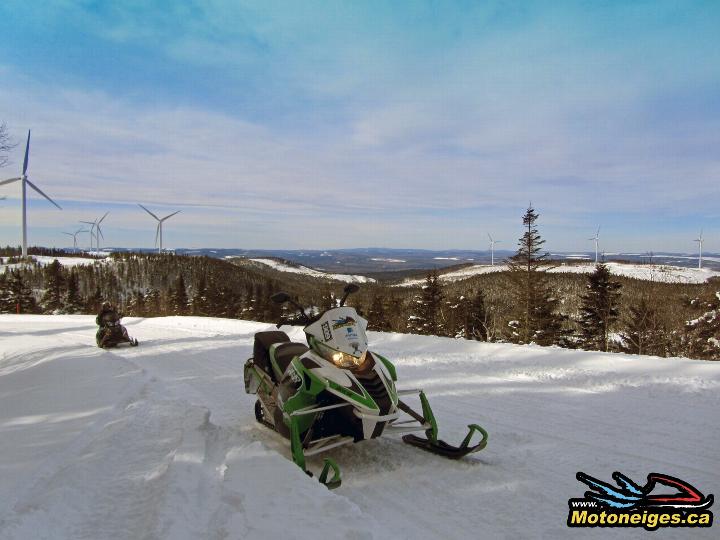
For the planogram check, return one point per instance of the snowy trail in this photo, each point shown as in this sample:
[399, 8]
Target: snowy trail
[160, 441]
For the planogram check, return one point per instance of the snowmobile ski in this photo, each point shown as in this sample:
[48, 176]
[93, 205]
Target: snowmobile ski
[441, 448]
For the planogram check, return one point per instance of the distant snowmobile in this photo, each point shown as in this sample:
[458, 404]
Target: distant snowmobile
[336, 391]
[110, 332]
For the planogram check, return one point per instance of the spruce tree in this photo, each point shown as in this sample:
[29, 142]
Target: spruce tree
[427, 317]
[178, 297]
[599, 309]
[377, 317]
[702, 339]
[72, 303]
[19, 298]
[152, 303]
[52, 299]
[535, 302]
[475, 319]
[199, 299]
[642, 332]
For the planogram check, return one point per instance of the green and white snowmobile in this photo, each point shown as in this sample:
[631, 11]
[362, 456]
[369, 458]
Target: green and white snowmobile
[334, 391]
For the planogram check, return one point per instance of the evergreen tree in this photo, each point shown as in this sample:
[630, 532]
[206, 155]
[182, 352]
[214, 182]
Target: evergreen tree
[377, 317]
[152, 303]
[642, 332]
[72, 303]
[94, 301]
[136, 306]
[427, 317]
[199, 299]
[18, 298]
[703, 333]
[52, 299]
[475, 317]
[599, 309]
[178, 297]
[535, 302]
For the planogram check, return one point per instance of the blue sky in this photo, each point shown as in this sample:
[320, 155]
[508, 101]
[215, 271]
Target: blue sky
[348, 124]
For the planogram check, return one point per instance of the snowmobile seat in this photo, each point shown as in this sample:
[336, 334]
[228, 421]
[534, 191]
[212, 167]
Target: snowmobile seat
[285, 352]
[261, 348]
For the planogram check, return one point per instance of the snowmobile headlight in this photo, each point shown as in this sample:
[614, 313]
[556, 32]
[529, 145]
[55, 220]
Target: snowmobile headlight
[345, 361]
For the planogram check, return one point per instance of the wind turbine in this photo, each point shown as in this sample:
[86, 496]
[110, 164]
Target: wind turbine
[596, 238]
[92, 224]
[25, 182]
[492, 249]
[74, 235]
[699, 241]
[158, 231]
[98, 231]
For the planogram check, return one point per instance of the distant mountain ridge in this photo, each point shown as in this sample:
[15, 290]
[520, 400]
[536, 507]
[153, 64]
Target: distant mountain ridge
[373, 260]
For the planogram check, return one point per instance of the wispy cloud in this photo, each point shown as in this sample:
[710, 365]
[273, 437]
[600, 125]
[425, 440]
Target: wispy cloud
[416, 124]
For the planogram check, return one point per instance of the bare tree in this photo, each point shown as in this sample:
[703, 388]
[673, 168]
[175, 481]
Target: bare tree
[6, 145]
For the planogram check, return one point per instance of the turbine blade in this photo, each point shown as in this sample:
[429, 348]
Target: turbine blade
[171, 215]
[490, 237]
[41, 193]
[157, 232]
[69, 234]
[101, 219]
[100, 231]
[10, 181]
[27, 151]
[148, 211]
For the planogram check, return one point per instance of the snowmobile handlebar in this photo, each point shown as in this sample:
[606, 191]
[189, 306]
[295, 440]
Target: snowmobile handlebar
[282, 297]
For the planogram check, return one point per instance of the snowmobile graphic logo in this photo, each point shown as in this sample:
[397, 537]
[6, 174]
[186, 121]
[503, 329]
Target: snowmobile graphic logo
[345, 321]
[663, 501]
[327, 335]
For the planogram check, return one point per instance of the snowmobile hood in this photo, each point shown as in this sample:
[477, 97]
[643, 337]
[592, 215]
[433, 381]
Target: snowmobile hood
[340, 329]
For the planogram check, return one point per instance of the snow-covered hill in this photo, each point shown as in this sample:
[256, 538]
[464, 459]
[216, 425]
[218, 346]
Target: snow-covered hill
[649, 272]
[160, 441]
[304, 270]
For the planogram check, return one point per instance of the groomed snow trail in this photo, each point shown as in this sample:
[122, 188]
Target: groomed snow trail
[160, 441]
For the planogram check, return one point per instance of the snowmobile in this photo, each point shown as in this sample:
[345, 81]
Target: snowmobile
[334, 391]
[111, 333]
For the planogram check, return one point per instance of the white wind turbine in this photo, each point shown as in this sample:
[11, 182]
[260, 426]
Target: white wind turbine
[74, 235]
[492, 249]
[158, 231]
[596, 238]
[699, 241]
[25, 182]
[95, 225]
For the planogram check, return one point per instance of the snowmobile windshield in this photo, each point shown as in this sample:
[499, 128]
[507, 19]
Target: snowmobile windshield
[339, 336]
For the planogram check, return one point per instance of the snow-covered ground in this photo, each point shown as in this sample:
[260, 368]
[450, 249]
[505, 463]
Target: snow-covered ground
[649, 272]
[160, 441]
[348, 278]
[65, 261]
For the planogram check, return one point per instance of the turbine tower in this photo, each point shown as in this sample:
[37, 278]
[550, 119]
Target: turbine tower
[492, 249]
[699, 241]
[596, 238]
[158, 231]
[25, 182]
